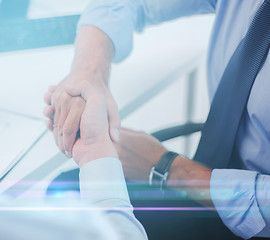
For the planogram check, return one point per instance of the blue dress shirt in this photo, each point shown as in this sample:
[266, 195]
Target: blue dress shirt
[241, 197]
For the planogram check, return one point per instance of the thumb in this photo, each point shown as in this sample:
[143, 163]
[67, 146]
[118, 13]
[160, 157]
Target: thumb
[114, 120]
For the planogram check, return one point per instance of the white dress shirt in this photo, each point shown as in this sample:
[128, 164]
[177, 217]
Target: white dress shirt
[104, 211]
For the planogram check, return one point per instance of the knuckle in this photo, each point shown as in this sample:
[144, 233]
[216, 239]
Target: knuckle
[59, 96]
[65, 98]
[64, 101]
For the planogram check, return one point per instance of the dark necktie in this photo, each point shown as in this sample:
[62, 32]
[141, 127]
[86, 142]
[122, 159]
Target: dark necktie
[218, 136]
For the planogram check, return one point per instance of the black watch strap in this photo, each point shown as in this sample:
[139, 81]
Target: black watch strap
[159, 173]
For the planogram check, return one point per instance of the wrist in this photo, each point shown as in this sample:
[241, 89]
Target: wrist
[159, 173]
[94, 76]
[187, 173]
[94, 52]
[102, 148]
[176, 177]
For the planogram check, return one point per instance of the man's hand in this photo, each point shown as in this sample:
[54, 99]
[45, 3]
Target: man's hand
[138, 152]
[94, 52]
[94, 141]
[64, 113]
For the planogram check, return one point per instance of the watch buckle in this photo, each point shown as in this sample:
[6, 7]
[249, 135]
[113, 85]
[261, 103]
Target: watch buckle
[163, 177]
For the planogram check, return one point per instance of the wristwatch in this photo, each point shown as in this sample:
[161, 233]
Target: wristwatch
[159, 173]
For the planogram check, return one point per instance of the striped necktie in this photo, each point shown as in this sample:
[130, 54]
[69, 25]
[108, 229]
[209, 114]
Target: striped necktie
[230, 100]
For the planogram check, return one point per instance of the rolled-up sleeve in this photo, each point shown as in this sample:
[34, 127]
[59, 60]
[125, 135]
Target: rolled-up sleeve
[239, 197]
[120, 18]
[263, 198]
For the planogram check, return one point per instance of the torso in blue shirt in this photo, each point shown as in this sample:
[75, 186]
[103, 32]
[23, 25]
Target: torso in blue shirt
[233, 18]
[120, 18]
[253, 141]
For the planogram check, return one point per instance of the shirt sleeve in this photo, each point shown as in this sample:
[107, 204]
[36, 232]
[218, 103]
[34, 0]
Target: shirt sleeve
[120, 18]
[60, 223]
[240, 198]
[263, 198]
[102, 184]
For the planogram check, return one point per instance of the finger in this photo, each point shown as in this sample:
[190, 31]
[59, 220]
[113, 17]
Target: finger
[57, 112]
[55, 124]
[50, 125]
[114, 120]
[65, 109]
[72, 125]
[48, 112]
[47, 98]
[57, 131]
[83, 89]
[60, 139]
[52, 88]
[75, 90]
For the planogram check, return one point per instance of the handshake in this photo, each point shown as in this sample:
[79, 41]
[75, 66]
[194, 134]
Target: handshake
[89, 109]
[81, 130]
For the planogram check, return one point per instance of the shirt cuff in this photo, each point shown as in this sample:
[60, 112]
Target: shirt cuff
[103, 179]
[233, 194]
[263, 196]
[114, 19]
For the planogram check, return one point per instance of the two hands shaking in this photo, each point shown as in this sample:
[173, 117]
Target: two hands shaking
[83, 102]
[94, 140]
[137, 151]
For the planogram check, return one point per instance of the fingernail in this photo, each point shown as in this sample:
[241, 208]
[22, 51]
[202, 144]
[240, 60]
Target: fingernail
[116, 135]
[68, 154]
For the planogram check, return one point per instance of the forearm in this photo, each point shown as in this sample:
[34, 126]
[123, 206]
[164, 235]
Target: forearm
[120, 18]
[240, 198]
[94, 52]
[193, 178]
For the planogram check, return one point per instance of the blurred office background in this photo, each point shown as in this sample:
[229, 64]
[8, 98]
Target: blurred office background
[159, 53]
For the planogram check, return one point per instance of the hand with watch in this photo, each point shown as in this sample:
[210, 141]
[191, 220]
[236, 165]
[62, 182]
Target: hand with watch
[159, 173]
[144, 158]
